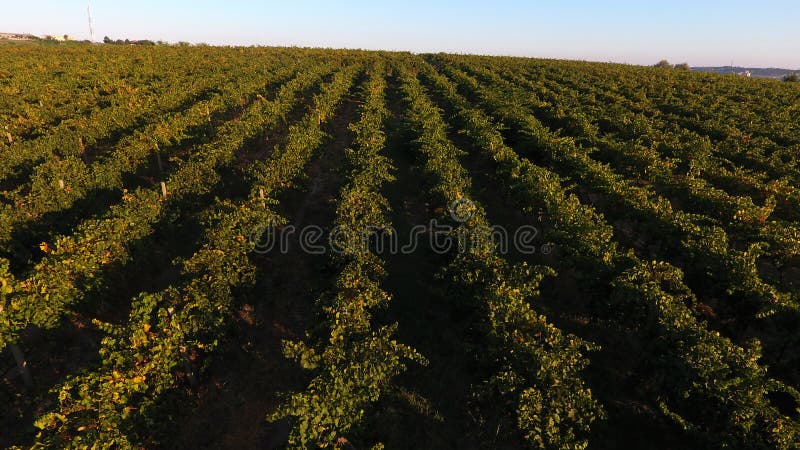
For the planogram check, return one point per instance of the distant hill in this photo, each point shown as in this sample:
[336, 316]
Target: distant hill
[755, 72]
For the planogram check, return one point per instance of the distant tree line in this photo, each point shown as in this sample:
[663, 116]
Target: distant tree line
[664, 64]
[108, 40]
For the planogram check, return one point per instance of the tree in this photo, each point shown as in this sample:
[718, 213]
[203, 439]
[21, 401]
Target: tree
[682, 66]
[664, 64]
[107, 40]
[791, 78]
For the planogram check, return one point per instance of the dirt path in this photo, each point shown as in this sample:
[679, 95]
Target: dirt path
[430, 410]
[241, 387]
[567, 300]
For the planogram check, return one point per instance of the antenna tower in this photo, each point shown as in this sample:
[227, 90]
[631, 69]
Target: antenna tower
[91, 27]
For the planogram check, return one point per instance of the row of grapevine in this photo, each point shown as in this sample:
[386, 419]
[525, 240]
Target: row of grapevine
[74, 262]
[738, 215]
[712, 388]
[353, 361]
[579, 116]
[695, 154]
[699, 101]
[729, 143]
[669, 302]
[77, 136]
[58, 183]
[706, 246]
[747, 298]
[43, 89]
[142, 356]
[534, 367]
[741, 132]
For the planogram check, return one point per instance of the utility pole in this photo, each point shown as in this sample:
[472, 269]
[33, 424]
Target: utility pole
[91, 27]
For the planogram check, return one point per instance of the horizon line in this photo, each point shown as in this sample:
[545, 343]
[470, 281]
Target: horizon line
[203, 43]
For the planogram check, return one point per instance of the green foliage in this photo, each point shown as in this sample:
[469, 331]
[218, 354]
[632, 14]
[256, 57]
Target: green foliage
[167, 331]
[72, 265]
[716, 383]
[537, 367]
[352, 375]
[673, 197]
[355, 365]
[708, 385]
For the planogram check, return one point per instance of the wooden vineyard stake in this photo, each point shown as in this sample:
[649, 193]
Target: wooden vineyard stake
[190, 376]
[84, 156]
[22, 364]
[164, 189]
[261, 196]
[61, 184]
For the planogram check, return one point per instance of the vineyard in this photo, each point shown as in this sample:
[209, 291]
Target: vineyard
[653, 303]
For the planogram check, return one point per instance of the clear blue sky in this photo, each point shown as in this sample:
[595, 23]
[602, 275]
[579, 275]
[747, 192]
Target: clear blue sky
[752, 33]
